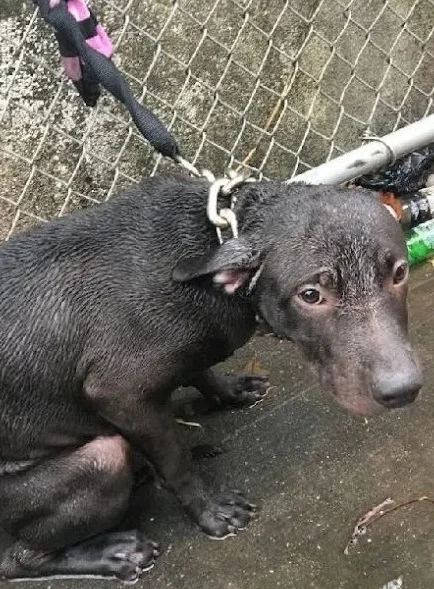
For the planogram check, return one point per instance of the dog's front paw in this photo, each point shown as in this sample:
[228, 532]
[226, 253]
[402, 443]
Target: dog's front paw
[240, 390]
[224, 514]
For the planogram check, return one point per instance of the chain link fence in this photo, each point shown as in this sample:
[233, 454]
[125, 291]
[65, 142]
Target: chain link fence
[278, 86]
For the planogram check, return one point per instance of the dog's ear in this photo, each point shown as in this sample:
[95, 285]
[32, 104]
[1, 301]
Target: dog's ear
[230, 264]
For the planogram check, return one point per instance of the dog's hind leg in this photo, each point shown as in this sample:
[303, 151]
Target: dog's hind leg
[58, 513]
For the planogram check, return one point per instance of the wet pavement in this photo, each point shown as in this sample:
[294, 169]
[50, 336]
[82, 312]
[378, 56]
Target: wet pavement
[313, 469]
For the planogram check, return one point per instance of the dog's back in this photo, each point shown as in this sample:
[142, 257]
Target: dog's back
[94, 284]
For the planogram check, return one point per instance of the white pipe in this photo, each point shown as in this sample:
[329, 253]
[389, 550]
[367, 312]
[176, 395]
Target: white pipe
[371, 156]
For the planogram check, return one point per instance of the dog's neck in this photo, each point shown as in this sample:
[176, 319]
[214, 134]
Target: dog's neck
[254, 208]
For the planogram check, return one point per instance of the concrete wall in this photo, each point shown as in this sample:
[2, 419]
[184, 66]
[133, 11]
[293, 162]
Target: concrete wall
[215, 71]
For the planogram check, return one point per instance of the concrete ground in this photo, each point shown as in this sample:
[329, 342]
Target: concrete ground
[313, 469]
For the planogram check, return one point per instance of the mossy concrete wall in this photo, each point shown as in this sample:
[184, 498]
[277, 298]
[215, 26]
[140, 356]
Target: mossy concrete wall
[215, 72]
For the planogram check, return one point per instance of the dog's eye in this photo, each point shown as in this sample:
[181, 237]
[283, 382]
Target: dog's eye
[312, 296]
[400, 273]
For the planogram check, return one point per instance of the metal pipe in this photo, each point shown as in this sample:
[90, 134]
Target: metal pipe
[372, 155]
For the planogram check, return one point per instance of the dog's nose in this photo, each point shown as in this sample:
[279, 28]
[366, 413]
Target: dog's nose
[397, 389]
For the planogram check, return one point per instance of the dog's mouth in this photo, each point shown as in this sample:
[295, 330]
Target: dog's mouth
[355, 397]
[359, 404]
[359, 400]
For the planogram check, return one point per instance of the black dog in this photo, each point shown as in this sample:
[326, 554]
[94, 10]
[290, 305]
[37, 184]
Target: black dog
[104, 313]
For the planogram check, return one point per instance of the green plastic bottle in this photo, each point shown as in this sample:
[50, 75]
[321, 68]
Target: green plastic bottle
[420, 242]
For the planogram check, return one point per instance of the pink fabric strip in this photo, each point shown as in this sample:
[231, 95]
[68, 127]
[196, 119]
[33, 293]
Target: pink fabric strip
[72, 67]
[78, 9]
[100, 42]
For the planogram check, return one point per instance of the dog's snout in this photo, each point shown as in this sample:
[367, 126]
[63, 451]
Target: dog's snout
[397, 389]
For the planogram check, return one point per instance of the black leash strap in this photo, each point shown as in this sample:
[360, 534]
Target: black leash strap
[98, 69]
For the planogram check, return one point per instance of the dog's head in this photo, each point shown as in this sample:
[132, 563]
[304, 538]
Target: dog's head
[329, 270]
[337, 286]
